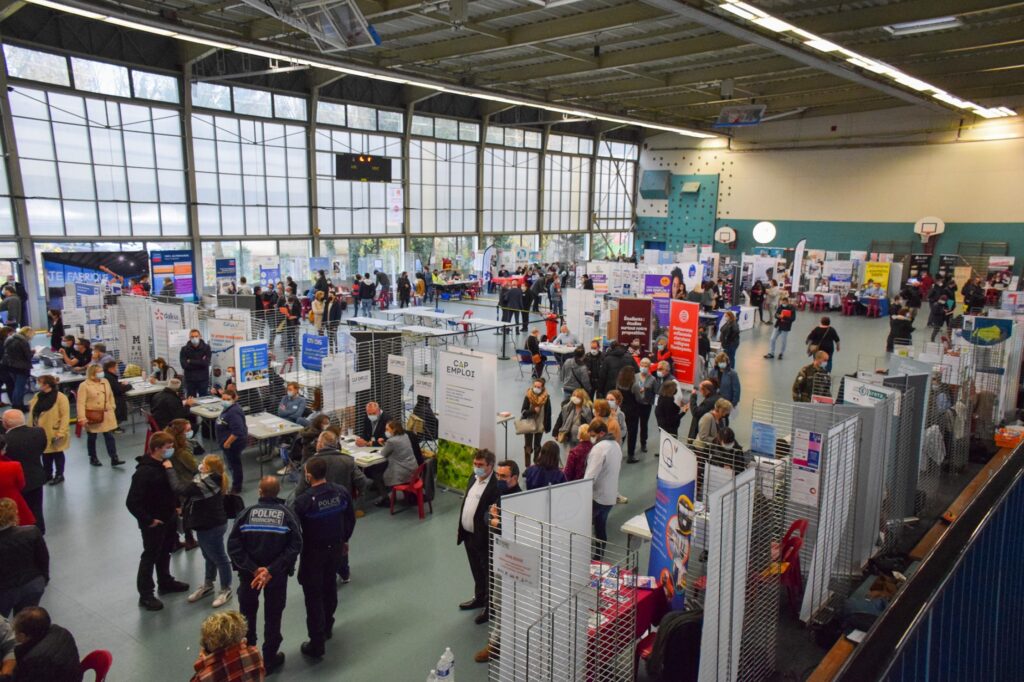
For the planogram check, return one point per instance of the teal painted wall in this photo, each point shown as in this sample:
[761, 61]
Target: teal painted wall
[857, 236]
[689, 219]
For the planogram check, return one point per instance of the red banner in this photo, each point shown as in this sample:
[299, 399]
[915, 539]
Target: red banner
[635, 321]
[682, 339]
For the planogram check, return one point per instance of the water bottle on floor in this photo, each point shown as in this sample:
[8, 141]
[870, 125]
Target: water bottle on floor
[446, 666]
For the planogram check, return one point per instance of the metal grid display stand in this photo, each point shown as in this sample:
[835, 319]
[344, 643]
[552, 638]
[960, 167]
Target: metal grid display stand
[576, 622]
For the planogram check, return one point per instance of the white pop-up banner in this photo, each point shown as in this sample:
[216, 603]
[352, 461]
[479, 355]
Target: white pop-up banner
[223, 333]
[466, 386]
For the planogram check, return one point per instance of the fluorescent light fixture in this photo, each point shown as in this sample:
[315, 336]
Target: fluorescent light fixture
[140, 27]
[816, 42]
[71, 10]
[773, 24]
[204, 41]
[909, 28]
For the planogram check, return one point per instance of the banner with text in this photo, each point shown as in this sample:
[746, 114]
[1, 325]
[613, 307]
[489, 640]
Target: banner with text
[223, 333]
[166, 318]
[314, 350]
[172, 274]
[878, 272]
[682, 339]
[673, 519]
[659, 288]
[635, 321]
[252, 364]
[466, 412]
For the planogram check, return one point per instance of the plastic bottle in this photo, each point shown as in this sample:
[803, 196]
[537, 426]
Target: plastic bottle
[446, 666]
[432, 677]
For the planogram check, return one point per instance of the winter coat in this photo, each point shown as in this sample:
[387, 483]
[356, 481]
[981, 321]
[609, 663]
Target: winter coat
[195, 361]
[96, 395]
[54, 422]
[17, 354]
[614, 360]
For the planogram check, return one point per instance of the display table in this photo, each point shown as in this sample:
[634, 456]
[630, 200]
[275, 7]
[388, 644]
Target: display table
[434, 315]
[265, 429]
[364, 456]
[745, 316]
[636, 527]
[372, 322]
[412, 310]
[62, 376]
[883, 304]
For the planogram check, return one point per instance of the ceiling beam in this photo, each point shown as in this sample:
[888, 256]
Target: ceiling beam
[530, 34]
[893, 51]
[805, 57]
[9, 7]
[823, 24]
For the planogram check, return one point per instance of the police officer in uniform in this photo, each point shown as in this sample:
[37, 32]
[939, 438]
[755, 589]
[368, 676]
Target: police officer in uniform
[327, 517]
[263, 546]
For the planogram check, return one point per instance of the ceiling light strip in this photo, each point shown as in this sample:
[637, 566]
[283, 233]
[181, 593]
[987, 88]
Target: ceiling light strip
[815, 42]
[140, 25]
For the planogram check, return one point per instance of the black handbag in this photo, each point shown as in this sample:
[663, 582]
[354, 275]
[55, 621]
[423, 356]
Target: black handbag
[233, 505]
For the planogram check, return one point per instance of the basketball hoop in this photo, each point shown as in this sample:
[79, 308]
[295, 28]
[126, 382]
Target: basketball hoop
[929, 227]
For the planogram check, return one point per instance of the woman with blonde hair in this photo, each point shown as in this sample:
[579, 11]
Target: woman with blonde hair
[96, 407]
[602, 410]
[203, 511]
[223, 650]
[50, 410]
[576, 411]
[316, 309]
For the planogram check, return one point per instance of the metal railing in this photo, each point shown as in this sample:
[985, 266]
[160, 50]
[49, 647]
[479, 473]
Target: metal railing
[960, 615]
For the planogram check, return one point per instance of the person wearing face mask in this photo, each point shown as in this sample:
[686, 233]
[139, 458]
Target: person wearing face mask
[711, 423]
[662, 373]
[615, 399]
[576, 411]
[645, 390]
[153, 503]
[223, 382]
[185, 466]
[812, 379]
[317, 308]
[291, 309]
[702, 401]
[565, 337]
[96, 412]
[293, 405]
[728, 380]
[401, 461]
[526, 293]
[232, 436]
[603, 465]
[726, 452]
[162, 372]
[332, 317]
[661, 353]
[508, 477]
[473, 533]
[76, 353]
[594, 360]
[195, 361]
[941, 313]
[372, 426]
[576, 461]
[536, 408]
[50, 410]
[574, 374]
[204, 513]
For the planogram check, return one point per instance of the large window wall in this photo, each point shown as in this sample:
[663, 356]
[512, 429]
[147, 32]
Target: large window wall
[101, 151]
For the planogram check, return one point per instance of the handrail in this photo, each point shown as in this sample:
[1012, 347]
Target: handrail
[873, 658]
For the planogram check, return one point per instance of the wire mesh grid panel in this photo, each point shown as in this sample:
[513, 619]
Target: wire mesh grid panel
[573, 618]
[741, 610]
[950, 404]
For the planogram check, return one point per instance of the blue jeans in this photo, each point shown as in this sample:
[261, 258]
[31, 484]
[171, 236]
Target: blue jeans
[197, 387]
[14, 599]
[556, 306]
[18, 382]
[211, 543]
[366, 305]
[731, 352]
[776, 334]
[233, 456]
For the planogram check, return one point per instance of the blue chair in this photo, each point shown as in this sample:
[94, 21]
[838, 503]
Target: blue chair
[550, 360]
[525, 360]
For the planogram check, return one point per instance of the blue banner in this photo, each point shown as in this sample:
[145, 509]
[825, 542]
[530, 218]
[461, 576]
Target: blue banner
[317, 264]
[314, 350]
[252, 364]
[674, 519]
[175, 266]
[269, 276]
[987, 331]
[226, 268]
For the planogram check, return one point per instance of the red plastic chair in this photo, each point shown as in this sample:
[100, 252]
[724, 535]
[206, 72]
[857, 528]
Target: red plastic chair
[99, 662]
[798, 528]
[791, 577]
[801, 301]
[413, 487]
[153, 427]
[874, 309]
[819, 303]
[849, 307]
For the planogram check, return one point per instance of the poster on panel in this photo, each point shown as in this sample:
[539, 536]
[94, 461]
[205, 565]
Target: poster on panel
[659, 288]
[166, 317]
[877, 272]
[222, 334]
[173, 274]
[314, 350]
[466, 412]
[226, 274]
[635, 321]
[682, 339]
[252, 364]
[672, 532]
[135, 331]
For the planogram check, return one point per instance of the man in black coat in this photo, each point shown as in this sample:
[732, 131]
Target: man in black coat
[45, 651]
[515, 306]
[614, 360]
[25, 444]
[195, 357]
[474, 532]
[371, 426]
[153, 502]
[167, 405]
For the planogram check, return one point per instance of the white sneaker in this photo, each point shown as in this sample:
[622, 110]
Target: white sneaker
[621, 499]
[204, 589]
[287, 468]
[222, 598]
